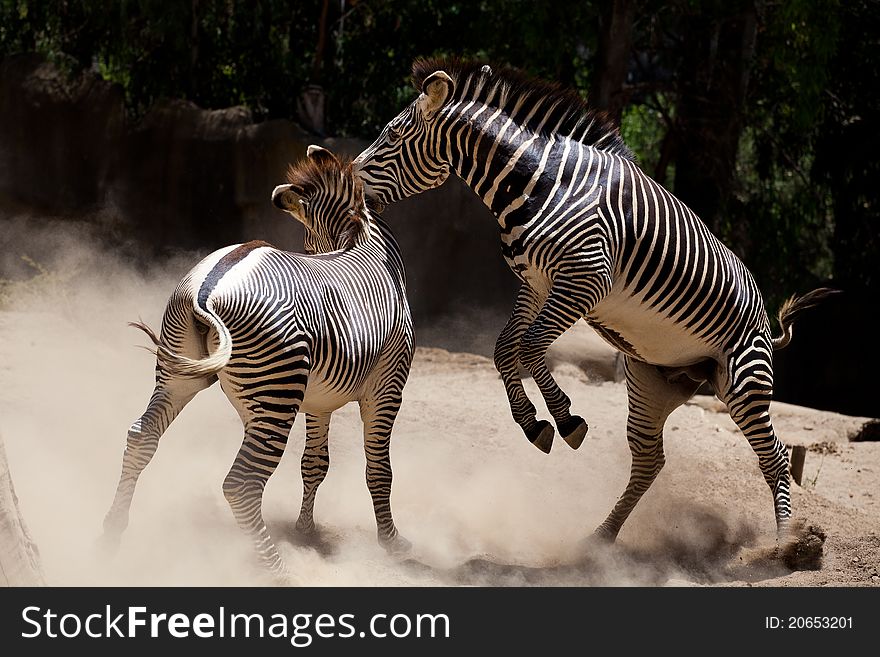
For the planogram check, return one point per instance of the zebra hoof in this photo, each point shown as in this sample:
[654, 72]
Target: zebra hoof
[573, 431]
[541, 436]
[396, 545]
[595, 544]
[601, 539]
[283, 578]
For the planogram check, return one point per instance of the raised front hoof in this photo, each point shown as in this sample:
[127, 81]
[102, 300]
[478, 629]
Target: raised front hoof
[541, 436]
[397, 545]
[573, 431]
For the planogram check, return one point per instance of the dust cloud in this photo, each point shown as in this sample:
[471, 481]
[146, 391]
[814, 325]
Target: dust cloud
[481, 505]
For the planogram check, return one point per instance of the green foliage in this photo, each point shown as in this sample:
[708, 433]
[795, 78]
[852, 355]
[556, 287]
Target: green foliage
[791, 69]
[378, 40]
[643, 130]
[216, 53]
[261, 53]
[782, 217]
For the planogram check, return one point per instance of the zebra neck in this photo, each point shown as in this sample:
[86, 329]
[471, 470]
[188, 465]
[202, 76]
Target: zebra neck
[380, 234]
[384, 245]
[379, 239]
[511, 169]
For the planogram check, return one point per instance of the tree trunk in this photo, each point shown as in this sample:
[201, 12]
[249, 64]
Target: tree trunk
[716, 61]
[194, 50]
[19, 557]
[607, 92]
[311, 102]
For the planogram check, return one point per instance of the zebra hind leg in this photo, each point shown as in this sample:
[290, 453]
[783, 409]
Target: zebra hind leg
[168, 399]
[652, 397]
[746, 387]
[378, 415]
[268, 408]
[314, 465]
[261, 450]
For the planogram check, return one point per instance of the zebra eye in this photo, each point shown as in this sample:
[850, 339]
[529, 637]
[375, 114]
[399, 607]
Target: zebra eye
[393, 135]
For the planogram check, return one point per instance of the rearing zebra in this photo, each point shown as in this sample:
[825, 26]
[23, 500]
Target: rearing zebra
[591, 236]
[285, 332]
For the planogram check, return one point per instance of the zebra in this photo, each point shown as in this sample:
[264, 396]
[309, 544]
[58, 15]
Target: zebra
[286, 332]
[589, 235]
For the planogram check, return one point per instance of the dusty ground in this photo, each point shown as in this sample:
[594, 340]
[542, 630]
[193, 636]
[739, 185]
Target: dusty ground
[480, 504]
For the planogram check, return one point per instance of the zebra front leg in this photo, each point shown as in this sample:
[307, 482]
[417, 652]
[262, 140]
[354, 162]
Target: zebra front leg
[539, 432]
[569, 301]
[168, 399]
[652, 397]
[314, 465]
[378, 414]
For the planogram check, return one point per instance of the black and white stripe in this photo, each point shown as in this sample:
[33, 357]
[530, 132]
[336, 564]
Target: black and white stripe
[283, 333]
[591, 236]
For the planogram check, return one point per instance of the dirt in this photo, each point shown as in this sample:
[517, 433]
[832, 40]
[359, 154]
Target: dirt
[481, 505]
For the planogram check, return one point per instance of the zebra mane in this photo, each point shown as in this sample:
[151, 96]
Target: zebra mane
[335, 174]
[507, 86]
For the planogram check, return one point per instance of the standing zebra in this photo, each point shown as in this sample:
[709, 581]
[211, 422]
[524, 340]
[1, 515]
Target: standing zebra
[591, 236]
[285, 332]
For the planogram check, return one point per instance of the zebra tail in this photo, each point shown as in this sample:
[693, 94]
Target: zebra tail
[182, 366]
[793, 307]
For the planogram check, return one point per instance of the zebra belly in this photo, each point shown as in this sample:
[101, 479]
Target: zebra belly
[326, 392]
[322, 397]
[641, 332]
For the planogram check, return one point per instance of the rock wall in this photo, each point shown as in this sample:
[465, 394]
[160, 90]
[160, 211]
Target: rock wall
[189, 178]
[59, 134]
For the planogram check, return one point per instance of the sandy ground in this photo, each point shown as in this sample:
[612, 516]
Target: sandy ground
[480, 504]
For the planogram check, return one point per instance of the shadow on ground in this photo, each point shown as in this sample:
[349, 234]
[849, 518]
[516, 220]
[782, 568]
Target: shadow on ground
[700, 548]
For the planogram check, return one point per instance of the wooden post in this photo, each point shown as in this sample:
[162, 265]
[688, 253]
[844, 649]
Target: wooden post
[798, 454]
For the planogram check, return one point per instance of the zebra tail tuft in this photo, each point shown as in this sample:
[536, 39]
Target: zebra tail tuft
[182, 366]
[793, 307]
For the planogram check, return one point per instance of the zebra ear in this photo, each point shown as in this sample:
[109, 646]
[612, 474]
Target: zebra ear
[288, 198]
[436, 90]
[320, 154]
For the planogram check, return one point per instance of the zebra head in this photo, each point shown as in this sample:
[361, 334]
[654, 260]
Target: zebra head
[407, 158]
[325, 196]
